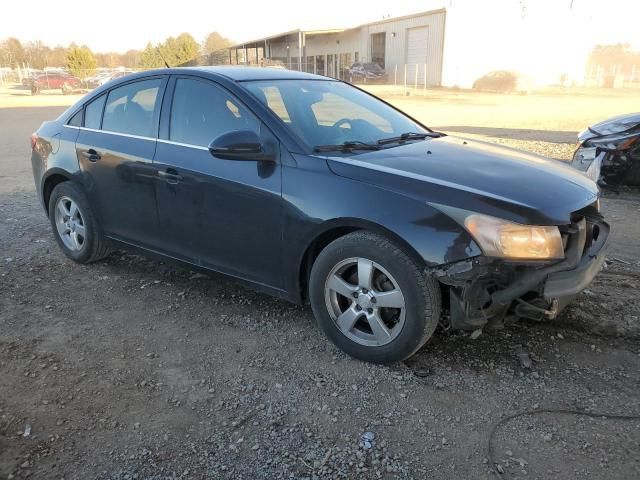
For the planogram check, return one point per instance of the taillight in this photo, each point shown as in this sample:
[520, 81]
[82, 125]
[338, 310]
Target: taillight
[34, 140]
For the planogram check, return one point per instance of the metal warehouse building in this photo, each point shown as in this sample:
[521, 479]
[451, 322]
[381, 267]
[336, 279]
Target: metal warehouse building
[413, 42]
[451, 45]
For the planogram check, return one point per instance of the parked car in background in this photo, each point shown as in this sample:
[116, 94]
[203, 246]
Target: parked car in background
[102, 78]
[367, 72]
[274, 64]
[27, 79]
[316, 191]
[97, 79]
[503, 81]
[56, 80]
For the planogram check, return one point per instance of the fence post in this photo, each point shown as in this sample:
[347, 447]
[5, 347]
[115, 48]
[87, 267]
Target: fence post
[404, 92]
[395, 77]
[425, 79]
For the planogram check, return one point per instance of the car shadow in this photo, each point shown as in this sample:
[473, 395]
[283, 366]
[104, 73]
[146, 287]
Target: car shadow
[190, 282]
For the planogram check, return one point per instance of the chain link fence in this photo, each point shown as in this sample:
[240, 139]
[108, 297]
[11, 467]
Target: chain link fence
[61, 80]
[406, 79]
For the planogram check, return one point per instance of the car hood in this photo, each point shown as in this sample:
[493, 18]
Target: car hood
[478, 176]
[610, 126]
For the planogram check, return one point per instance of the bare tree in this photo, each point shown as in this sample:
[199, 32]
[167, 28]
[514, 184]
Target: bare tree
[12, 52]
[215, 47]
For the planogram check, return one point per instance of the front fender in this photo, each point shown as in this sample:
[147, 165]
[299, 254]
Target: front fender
[318, 201]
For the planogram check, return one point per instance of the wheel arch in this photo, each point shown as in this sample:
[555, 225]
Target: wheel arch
[55, 177]
[331, 230]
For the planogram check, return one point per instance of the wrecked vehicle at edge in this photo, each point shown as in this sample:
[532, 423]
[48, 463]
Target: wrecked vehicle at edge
[609, 151]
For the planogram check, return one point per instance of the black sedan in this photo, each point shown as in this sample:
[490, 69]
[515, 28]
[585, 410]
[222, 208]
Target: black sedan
[315, 191]
[368, 72]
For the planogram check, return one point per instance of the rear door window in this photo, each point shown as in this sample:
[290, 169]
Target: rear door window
[130, 108]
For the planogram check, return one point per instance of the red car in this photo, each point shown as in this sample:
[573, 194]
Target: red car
[46, 81]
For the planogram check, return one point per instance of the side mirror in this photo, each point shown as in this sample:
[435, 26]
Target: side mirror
[241, 145]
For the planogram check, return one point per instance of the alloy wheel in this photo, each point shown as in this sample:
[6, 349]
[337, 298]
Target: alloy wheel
[70, 224]
[365, 302]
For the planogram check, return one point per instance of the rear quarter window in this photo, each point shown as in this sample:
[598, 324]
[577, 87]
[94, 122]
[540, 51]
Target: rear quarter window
[76, 120]
[93, 112]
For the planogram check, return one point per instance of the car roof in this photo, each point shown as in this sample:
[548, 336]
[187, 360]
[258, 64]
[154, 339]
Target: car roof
[240, 73]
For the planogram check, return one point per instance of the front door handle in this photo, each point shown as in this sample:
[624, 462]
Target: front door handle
[170, 175]
[91, 155]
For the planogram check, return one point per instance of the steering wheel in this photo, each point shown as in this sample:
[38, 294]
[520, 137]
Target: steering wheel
[359, 128]
[343, 133]
[342, 121]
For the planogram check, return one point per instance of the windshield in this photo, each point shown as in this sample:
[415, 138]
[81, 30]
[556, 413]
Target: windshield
[324, 112]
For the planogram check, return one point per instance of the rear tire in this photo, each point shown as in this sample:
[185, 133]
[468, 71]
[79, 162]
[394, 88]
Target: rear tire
[372, 300]
[75, 226]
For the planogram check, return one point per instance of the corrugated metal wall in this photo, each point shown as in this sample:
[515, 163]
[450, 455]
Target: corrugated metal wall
[328, 53]
[396, 46]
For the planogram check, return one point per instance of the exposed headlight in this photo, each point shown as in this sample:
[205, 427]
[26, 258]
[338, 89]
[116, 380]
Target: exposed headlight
[585, 154]
[501, 238]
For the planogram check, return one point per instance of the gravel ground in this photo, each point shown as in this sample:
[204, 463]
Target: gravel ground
[133, 368]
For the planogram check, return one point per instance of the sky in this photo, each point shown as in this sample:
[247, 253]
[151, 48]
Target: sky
[119, 25]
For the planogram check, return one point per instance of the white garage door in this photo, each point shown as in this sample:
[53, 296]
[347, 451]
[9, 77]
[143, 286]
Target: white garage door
[417, 43]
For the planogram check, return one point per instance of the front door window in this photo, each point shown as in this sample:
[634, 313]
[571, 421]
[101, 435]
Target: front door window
[202, 111]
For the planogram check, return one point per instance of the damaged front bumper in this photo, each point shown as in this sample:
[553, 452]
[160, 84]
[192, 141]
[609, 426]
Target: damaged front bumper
[483, 290]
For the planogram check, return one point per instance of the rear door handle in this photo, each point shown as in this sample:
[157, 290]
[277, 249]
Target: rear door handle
[170, 175]
[91, 155]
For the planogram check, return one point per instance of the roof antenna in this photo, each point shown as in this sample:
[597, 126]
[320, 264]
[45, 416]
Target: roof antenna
[160, 53]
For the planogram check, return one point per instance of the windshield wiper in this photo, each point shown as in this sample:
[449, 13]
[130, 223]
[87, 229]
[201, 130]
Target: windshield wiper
[408, 136]
[346, 147]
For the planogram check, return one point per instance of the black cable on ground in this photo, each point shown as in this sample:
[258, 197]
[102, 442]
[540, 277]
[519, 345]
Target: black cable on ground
[490, 450]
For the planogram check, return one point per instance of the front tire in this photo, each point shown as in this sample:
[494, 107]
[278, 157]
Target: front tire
[75, 227]
[372, 300]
